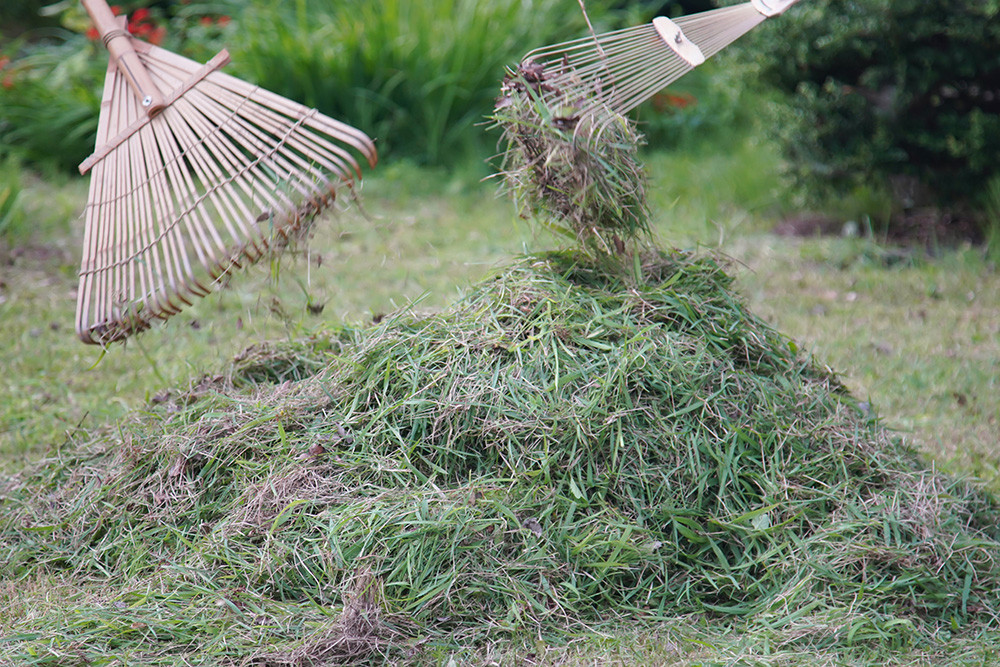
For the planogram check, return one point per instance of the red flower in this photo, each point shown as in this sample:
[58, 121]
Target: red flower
[116, 10]
[8, 82]
[206, 20]
[4, 61]
[140, 15]
[92, 34]
[667, 101]
[224, 21]
[156, 37]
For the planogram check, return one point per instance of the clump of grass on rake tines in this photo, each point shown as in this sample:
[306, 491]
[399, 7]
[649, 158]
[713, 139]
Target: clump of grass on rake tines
[557, 451]
[579, 176]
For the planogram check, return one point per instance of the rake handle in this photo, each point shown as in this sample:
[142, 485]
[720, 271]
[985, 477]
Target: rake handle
[771, 8]
[119, 45]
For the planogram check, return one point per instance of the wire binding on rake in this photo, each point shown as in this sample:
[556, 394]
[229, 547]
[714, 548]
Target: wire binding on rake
[224, 175]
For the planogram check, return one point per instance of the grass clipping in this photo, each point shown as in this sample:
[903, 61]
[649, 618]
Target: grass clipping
[559, 450]
[577, 175]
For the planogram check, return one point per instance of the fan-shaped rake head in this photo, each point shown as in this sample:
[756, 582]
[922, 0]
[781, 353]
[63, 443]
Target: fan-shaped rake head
[617, 71]
[187, 187]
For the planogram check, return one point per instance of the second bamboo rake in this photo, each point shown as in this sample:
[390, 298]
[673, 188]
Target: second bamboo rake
[617, 71]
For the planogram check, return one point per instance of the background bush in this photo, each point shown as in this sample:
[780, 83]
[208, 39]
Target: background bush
[52, 77]
[901, 93]
[418, 76]
[19, 15]
[11, 214]
[50, 100]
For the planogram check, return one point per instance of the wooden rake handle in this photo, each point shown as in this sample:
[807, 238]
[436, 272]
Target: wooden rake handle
[119, 45]
[770, 8]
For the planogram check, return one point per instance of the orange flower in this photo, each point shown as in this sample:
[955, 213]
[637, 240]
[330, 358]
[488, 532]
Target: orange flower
[156, 37]
[667, 101]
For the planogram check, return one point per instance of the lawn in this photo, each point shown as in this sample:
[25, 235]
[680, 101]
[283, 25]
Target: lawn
[916, 337]
[419, 239]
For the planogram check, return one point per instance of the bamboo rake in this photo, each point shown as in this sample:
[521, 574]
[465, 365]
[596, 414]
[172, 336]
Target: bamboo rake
[614, 72]
[195, 174]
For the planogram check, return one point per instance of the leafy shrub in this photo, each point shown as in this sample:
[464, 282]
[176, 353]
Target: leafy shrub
[51, 96]
[52, 86]
[419, 76]
[706, 106]
[991, 219]
[19, 12]
[11, 215]
[905, 93]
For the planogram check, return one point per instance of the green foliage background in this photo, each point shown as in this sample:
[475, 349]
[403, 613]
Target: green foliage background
[899, 92]
[417, 76]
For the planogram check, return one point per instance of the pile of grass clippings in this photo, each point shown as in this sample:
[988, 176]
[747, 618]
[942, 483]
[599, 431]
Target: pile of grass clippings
[562, 450]
[578, 175]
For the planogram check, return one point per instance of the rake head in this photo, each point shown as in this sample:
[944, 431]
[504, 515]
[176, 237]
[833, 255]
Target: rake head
[225, 174]
[614, 72]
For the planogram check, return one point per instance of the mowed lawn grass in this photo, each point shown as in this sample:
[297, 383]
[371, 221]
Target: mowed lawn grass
[414, 240]
[918, 337]
[919, 340]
